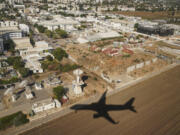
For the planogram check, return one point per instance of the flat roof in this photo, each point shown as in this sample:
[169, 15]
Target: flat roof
[9, 28]
[22, 43]
[43, 102]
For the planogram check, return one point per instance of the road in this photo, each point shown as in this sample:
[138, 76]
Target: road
[157, 101]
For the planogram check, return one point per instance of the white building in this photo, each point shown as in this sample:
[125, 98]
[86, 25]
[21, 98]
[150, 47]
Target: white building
[45, 105]
[28, 93]
[2, 5]
[38, 86]
[12, 2]
[66, 24]
[77, 84]
[20, 8]
[24, 28]
[9, 30]
[33, 55]
[22, 43]
[8, 24]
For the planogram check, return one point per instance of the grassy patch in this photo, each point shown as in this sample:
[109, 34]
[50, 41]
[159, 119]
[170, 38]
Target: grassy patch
[126, 56]
[12, 80]
[15, 119]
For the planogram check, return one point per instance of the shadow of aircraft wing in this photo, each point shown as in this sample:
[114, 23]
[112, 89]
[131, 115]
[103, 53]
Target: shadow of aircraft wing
[102, 100]
[107, 117]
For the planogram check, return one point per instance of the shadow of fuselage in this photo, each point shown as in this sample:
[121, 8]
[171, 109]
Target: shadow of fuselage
[102, 109]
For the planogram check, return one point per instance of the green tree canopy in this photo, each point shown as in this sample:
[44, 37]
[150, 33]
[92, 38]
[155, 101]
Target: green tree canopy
[136, 25]
[25, 72]
[49, 58]
[62, 33]
[58, 91]
[59, 54]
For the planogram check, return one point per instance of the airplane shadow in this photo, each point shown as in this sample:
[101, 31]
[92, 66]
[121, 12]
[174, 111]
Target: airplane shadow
[102, 109]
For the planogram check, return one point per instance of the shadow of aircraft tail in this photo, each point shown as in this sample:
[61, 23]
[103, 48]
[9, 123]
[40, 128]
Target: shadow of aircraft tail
[129, 104]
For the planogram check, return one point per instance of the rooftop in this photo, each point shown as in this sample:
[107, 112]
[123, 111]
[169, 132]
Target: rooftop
[42, 103]
[22, 43]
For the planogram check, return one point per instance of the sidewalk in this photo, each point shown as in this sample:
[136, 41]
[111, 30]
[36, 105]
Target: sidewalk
[67, 110]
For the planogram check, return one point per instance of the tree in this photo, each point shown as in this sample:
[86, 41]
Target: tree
[17, 64]
[49, 58]
[25, 72]
[58, 91]
[68, 67]
[81, 7]
[40, 28]
[32, 41]
[44, 65]
[96, 8]
[59, 54]
[136, 25]
[62, 33]
[48, 33]
[9, 45]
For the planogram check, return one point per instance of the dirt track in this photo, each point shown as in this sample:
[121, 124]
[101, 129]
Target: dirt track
[157, 102]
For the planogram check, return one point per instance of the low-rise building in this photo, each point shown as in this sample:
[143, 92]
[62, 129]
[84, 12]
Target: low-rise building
[10, 30]
[22, 43]
[66, 24]
[53, 81]
[38, 86]
[45, 105]
[33, 55]
[24, 28]
[28, 93]
[2, 6]
[155, 29]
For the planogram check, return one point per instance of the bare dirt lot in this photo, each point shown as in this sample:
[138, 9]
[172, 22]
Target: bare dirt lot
[150, 15]
[98, 62]
[157, 102]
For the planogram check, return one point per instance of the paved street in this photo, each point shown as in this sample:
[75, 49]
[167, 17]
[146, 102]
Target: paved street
[157, 101]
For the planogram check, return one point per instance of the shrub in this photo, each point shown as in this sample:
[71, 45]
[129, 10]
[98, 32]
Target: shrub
[136, 60]
[126, 56]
